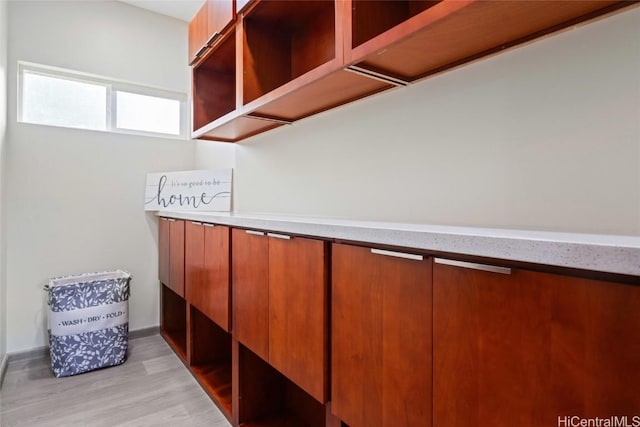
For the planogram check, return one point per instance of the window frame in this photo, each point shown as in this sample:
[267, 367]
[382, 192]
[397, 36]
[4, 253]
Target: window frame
[113, 86]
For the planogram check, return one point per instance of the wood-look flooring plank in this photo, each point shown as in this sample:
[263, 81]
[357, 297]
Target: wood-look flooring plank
[152, 388]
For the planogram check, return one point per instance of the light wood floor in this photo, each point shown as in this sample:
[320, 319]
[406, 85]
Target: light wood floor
[152, 388]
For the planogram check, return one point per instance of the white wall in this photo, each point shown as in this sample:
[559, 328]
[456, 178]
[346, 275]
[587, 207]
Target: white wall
[3, 125]
[74, 198]
[546, 136]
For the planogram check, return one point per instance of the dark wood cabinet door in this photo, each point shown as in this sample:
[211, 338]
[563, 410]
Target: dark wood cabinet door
[163, 250]
[298, 314]
[213, 301]
[194, 280]
[527, 348]
[219, 14]
[207, 270]
[381, 338]
[176, 256]
[198, 33]
[250, 290]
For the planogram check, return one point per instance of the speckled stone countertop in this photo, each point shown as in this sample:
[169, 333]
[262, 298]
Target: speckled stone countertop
[596, 252]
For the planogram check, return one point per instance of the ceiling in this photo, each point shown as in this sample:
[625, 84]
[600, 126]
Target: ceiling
[181, 9]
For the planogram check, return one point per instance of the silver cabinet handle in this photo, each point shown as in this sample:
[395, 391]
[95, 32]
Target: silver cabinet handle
[279, 236]
[397, 254]
[254, 232]
[206, 224]
[171, 220]
[213, 38]
[202, 50]
[474, 266]
[196, 223]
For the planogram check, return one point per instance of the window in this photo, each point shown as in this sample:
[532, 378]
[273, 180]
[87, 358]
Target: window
[52, 96]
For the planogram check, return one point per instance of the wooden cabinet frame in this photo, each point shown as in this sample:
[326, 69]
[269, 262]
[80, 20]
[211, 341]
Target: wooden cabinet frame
[466, 347]
[377, 45]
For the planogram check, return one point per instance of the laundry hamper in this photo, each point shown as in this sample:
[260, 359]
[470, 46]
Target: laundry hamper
[88, 321]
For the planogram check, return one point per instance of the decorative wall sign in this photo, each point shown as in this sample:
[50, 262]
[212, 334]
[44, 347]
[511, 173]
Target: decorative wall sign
[199, 190]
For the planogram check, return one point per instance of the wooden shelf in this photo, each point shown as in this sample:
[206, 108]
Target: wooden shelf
[268, 399]
[409, 40]
[293, 61]
[173, 322]
[281, 42]
[210, 359]
[317, 92]
[214, 83]
[277, 421]
[235, 127]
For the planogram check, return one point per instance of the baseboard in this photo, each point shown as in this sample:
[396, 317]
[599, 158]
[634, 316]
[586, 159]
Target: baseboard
[34, 353]
[144, 332]
[3, 368]
[43, 352]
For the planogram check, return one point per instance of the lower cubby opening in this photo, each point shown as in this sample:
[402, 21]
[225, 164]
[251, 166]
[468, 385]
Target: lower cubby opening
[268, 399]
[173, 322]
[210, 359]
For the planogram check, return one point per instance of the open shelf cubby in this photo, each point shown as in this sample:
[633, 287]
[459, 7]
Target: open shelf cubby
[173, 324]
[268, 399]
[283, 41]
[408, 40]
[214, 83]
[370, 18]
[210, 359]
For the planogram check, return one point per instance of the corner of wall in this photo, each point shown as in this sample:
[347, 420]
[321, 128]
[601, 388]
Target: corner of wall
[4, 35]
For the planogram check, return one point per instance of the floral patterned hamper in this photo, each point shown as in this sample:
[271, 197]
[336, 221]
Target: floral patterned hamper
[88, 321]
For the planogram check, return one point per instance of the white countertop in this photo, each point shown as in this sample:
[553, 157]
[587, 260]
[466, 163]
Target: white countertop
[596, 252]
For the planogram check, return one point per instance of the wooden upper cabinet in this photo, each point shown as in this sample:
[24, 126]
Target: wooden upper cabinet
[381, 338]
[207, 25]
[250, 290]
[241, 4]
[171, 254]
[408, 40]
[291, 59]
[291, 68]
[298, 311]
[198, 33]
[207, 270]
[526, 348]
[219, 15]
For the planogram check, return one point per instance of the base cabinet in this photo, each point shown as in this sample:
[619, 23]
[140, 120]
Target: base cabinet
[250, 290]
[343, 335]
[207, 265]
[209, 358]
[280, 304]
[173, 321]
[381, 337]
[528, 349]
[171, 254]
[266, 398]
[194, 318]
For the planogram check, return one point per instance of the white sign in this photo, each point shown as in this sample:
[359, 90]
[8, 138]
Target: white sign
[201, 190]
